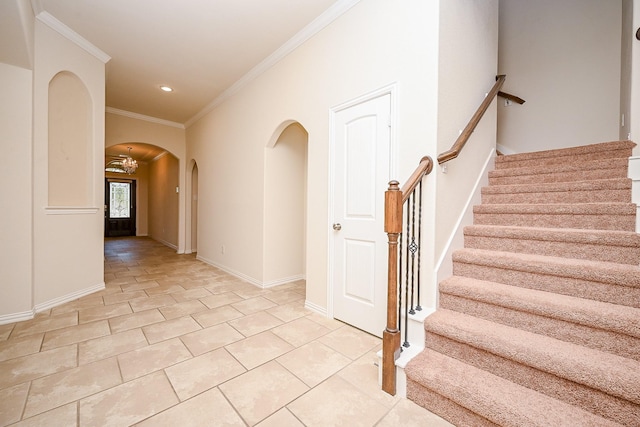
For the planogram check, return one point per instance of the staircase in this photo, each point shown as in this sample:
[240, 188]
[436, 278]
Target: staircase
[540, 323]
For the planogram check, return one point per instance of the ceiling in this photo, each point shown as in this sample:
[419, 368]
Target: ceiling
[200, 48]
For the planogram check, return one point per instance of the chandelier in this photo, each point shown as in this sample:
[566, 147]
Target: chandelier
[129, 164]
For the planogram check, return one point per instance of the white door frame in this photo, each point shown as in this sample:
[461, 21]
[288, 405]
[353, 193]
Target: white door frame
[390, 90]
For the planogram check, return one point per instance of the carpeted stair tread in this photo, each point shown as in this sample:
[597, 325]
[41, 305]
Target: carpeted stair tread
[613, 149]
[496, 399]
[599, 245]
[593, 271]
[603, 190]
[614, 375]
[594, 314]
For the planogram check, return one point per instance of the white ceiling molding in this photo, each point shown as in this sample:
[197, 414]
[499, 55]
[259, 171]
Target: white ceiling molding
[330, 15]
[52, 22]
[143, 117]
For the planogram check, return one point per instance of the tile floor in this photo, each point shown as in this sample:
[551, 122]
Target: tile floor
[173, 341]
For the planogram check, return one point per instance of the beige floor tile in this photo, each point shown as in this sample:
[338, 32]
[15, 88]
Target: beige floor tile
[207, 409]
[283, 296]
[184, 308]
[75, 334]
[327, 322]
[313, 362]
[12, 401]
[217, 315]
[164, 289]
[131, 272]
[255, 323]
[407, 413]
[336, 402]
[202, 373]
[128, 403]
[261, 392]
[252, 292]
[16, 347]
[363, 374]
[109, 346]
[170, 329]
[282, 418]
[120, 281]
[124, 297]
[27, 368]
[221, 299]
[155, 301]
[5, 331]
[253, 305]
[211, 338]
[135, 320]
[68, 386]
[100, 313]
[142, 361]
[36, 326]
[147, 286]
[191, 294]
[78, 304]
[351, 342]
[288, 312]
[300, 331]
[258, 349]
[149, 277]
[64, 416]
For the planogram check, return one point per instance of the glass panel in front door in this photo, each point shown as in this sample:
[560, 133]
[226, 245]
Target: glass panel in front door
[119, 203]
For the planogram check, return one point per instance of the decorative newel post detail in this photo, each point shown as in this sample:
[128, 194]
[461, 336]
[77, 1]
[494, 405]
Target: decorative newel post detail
[391, 335]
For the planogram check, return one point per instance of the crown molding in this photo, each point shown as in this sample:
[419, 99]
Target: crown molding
[317, 25]
[53, 23]
[143, 117]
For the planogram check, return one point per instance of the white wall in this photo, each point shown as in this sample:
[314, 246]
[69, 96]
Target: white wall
[467, 71]
[68, 244]
[375, 43]
[563, 58]
[285, 186]
[15, 220]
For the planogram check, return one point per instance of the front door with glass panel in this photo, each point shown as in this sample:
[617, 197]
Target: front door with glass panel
[120, 208]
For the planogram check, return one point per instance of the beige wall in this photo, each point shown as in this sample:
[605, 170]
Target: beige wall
[68, 244]
[15, 226]
[563, 58]
[285, 187]
[374, 44]
[164, 201]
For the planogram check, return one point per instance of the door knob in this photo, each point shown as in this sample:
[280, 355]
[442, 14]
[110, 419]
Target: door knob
[337, 226]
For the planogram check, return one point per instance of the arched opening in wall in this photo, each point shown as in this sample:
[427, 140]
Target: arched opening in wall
[70, 142]
[285, 215]
[156, 181]
[193, 214]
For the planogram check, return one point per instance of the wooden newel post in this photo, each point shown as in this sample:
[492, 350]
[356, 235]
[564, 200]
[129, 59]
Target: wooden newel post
[391, 335]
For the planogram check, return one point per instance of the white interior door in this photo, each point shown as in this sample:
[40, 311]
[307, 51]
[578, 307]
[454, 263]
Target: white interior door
[361, 175]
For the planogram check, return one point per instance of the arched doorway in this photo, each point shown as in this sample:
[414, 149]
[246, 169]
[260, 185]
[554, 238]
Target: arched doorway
[285, 180]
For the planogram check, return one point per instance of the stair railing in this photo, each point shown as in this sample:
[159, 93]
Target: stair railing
[403, 276]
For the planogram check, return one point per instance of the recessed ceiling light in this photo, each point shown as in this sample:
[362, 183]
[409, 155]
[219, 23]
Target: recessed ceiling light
[166, 88]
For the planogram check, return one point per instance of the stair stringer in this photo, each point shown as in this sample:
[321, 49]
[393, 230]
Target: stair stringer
[634, 174]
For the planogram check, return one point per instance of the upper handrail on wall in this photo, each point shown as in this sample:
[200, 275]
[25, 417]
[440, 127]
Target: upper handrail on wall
[510, 97]
[457, 146]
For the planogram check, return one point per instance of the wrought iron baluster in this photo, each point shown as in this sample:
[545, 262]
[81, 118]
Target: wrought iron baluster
[418, 306]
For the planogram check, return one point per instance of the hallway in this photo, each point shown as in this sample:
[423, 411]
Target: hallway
[172, 340]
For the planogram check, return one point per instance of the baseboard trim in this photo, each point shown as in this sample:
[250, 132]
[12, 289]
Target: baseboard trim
[231, 271]
[164, 242]
[30, 314]
[66, 298]
[315, 308]
[277, 282]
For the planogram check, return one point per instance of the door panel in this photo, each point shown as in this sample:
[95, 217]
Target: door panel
[361, 175]
[120, 208]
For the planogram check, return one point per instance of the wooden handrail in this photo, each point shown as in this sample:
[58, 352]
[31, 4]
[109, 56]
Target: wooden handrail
[511, 97]
[394, 199]
[457, 146]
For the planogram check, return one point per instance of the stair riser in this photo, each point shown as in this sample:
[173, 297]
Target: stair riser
[593, 196]
[588, 222]
[445, 408]
[593, 290]
[592, 400]
[594, 252]
[599, 339]
[507, 163]
[538, 178]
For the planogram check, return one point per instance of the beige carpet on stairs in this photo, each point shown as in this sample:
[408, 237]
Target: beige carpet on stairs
[540, 323]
